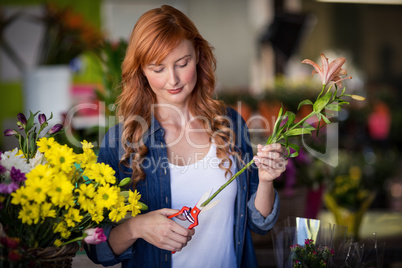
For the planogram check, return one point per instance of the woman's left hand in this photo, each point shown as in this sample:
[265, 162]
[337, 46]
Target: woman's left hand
[271, 162]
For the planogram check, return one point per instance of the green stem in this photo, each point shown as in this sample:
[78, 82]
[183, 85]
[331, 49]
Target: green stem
[252, 161]
[227, 183]
[73, 240]
[322, 91]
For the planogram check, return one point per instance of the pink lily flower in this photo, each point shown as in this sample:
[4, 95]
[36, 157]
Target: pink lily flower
[94, 236]
[329, 71]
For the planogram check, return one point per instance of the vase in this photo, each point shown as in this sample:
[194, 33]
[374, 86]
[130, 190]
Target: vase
[351, 218]
[54, 257]
[47, 89]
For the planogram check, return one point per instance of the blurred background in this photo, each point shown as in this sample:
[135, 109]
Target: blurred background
[63, 57]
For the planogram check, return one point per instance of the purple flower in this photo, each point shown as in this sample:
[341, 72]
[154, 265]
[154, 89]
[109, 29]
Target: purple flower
[17, 175]
[42, 118]
[22, 121]
[10, 132]
[56, 128]
[21, 117]
[2, 169]
[8, 188]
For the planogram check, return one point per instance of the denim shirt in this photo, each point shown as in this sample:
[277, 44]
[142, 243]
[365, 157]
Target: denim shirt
[155, 192]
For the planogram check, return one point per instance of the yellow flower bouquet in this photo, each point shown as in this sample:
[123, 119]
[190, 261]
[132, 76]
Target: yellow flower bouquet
[51, 196]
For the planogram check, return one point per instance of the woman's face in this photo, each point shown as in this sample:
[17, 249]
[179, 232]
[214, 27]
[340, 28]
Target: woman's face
[175, 77]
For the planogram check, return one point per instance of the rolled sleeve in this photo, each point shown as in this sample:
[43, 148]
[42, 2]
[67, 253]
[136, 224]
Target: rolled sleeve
[259, 223]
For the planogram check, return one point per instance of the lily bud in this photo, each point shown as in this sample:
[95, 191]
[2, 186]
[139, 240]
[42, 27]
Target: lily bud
[42, 119]
[94, 236]
[10, 132]
[357, 97]
[56, 128]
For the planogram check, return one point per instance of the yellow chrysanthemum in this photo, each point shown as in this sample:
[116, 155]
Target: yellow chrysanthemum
[61, 191]
[44, 144]
[29, 214]
[61, 228]
[85, 198]
[46, 211]
[107, 196]
[117, 214]
[72, 216]
[58, 243]
[97, 214]
[101, 173]
[61, 157]
[20, 197]
[87, 158]
[86, 145]
[37, 188]
[41, 171]
[134, 206]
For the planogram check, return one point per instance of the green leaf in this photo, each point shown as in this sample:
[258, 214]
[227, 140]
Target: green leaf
[30, 121]
[296, 148]
[326, 120]
[320, 104]
[343, 90]
[277, 124]
[288, 146]
[333, 107]
[32, 144]
[305, 102]
[291, 118]
[297, 132]
[308, 126]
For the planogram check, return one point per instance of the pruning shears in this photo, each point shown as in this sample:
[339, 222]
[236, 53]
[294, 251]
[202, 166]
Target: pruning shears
[191, 214]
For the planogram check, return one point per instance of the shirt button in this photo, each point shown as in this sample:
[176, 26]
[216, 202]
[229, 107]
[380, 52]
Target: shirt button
[241, 215]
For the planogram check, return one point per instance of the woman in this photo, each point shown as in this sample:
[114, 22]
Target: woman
[176, 142]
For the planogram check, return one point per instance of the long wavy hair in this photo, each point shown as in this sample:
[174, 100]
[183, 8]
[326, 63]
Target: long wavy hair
[155, 35]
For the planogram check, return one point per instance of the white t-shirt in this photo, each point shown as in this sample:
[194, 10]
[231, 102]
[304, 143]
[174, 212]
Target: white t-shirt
[212, 244]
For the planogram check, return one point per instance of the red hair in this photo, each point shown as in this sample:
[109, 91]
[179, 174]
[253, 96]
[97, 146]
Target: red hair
[155, 35]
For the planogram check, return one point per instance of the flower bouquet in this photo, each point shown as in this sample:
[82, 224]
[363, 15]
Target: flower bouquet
[51, 197]
[310, 243]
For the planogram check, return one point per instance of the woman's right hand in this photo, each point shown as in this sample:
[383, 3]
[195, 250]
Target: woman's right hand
[164, 233]
[154, 227]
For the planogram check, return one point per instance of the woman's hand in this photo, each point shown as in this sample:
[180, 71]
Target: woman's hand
[155, 228]
[164, 233]
[270, 161]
